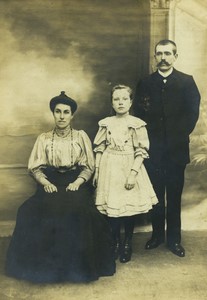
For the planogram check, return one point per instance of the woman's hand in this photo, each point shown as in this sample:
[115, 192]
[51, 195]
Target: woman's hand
[130, 183]
[95, 177]
[74, 186]
[50, 188]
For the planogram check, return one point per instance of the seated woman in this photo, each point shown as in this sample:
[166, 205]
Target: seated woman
[59, 234]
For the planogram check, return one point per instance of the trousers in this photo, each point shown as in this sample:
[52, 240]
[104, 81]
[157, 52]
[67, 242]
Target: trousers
[168, 180]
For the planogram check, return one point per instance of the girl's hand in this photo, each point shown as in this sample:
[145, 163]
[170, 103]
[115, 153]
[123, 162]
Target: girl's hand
[95, 177]
[130, 183]
[50, 188]
[74, 186]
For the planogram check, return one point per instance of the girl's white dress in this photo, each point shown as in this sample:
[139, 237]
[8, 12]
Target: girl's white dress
[121, 140]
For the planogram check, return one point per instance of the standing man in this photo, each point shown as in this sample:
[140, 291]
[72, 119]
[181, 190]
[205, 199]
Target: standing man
[168, 101]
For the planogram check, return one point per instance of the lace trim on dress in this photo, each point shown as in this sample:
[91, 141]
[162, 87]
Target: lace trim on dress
[132, 122]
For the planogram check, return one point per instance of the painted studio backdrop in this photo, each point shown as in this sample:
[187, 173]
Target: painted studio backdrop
[84, 47]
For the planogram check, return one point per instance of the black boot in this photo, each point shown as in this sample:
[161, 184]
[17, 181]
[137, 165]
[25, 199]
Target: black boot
[126, 251]
[117, 248]
[115, 224]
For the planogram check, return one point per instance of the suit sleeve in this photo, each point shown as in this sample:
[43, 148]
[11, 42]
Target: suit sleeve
[141, 100]
[192, 97]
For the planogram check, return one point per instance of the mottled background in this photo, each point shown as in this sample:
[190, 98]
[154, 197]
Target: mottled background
[84, 48]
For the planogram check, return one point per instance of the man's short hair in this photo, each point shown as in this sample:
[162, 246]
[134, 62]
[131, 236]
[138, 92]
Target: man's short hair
[167, 42]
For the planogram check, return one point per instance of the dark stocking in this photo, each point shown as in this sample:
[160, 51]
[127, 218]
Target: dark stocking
[126, 251]
[115, 224]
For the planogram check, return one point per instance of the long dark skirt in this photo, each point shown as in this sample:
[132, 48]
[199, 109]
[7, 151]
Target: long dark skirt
[60, 236]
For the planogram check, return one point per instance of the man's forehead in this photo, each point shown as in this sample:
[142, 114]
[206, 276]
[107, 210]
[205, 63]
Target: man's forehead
[164, 48]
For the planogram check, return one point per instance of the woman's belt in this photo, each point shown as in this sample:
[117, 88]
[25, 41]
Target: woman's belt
[63, 169]
[120, 152]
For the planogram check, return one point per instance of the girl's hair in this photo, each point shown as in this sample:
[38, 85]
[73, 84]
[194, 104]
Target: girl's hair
[120, 87]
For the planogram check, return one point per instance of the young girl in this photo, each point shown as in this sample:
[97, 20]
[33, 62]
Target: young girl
[123, 186]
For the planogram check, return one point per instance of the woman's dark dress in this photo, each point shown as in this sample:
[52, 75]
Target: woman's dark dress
[60, 236]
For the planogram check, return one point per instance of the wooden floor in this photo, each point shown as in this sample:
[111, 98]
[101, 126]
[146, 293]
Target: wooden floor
[150, 275]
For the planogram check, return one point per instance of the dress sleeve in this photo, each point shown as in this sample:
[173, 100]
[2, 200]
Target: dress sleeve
[101, 137]
[141, 141]
[86, 160]
[37, 159]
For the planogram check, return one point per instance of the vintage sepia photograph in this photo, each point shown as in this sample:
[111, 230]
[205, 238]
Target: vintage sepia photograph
[103, 156]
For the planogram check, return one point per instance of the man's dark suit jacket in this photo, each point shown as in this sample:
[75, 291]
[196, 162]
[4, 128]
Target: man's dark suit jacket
[171, 111]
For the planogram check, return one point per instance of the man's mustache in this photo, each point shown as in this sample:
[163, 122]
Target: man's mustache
[163, 62]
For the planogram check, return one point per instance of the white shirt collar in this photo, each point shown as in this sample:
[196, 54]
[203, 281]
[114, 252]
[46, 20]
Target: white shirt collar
[166, 74]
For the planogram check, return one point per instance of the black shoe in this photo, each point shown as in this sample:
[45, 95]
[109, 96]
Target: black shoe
[153, 243]
[177, 249]
[126, 253]
[117, 249]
